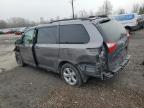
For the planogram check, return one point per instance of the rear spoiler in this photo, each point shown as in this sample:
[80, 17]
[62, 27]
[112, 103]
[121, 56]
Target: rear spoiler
[101, 20]
[105, 20]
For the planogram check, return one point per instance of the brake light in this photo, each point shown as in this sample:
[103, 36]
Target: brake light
[112, 46]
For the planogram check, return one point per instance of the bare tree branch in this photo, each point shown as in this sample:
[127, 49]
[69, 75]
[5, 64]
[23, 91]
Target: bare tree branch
[136, 8]
[106, 8]
[121, 11]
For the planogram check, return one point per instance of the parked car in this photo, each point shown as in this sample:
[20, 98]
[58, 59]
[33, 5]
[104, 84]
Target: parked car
[76, 48]
[1, 32]
[6, 31]
[129, 21]
[10, 31]
[20, 31]
[141, 21]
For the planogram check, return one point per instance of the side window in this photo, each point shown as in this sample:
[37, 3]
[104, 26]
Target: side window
[47, 35]
[28, 38]
[73, 34]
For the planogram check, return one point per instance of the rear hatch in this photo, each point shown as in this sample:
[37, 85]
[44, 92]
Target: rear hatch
[116, 39]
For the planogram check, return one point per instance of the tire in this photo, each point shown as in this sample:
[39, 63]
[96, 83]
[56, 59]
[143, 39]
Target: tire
[71, 75]
[19, 59]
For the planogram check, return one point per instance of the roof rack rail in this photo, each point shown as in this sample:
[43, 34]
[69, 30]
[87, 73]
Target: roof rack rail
[82, 18]
[64, 20]
[102, 16]
[98, 16]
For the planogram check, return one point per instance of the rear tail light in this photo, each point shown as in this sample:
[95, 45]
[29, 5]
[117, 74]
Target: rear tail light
[112, 46]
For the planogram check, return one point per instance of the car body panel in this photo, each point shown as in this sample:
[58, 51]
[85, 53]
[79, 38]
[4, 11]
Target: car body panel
[47, 55]
[27, 54]
[116, 58]
[77, 53]
[117, 35]
[87, 57]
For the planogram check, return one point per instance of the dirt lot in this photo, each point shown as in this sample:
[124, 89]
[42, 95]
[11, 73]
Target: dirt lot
[27, 87]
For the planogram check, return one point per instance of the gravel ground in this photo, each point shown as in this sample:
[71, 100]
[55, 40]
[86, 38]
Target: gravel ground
[27, 87]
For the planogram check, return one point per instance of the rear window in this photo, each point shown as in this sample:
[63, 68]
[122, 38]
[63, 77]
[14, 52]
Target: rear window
[111, 30]
[73, 34]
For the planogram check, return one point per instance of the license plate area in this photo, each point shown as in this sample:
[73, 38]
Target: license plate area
[117, 59]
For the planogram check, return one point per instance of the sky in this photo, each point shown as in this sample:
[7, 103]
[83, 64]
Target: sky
[34, 9]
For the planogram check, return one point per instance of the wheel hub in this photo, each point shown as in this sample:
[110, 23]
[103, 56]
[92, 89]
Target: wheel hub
[70, 76]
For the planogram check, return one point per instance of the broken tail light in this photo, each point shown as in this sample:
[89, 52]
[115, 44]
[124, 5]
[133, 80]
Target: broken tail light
[112, 46]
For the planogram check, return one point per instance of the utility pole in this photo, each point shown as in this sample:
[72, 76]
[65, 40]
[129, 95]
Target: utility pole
[72, 3]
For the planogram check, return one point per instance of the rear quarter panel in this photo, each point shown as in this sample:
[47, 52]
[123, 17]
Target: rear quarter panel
[79, 53]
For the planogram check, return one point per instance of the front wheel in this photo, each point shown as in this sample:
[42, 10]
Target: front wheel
[71, 75]
[19, 59]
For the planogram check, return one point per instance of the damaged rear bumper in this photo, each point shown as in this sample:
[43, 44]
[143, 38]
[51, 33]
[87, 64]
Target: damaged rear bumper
[110, 74]
[122, 65]
[98, 71]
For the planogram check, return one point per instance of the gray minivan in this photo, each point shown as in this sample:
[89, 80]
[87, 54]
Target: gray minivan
[76, 48]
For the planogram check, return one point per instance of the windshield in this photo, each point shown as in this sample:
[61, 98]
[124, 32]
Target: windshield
[111, 30]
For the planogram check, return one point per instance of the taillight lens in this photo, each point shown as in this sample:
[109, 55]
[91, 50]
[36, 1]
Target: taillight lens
[112, 46]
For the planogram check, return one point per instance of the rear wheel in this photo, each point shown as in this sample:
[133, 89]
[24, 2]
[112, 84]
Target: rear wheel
[70, 75]
[19, 59]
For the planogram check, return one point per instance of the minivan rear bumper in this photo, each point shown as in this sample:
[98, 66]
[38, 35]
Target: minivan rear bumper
[95, 71]
[110, 74]
[122, 65]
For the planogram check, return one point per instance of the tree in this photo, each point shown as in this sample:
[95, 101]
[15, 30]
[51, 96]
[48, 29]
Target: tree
[51, 20]
[121, 11]
[18, 22]
[3, 24]
[141, 10]
[83, 14]
[42, 20]
[57, 18]
[136, 8]
[91, 13]
[106, 8]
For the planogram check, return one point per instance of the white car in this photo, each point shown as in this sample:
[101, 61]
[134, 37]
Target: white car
[141, 21]
[129, 21]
